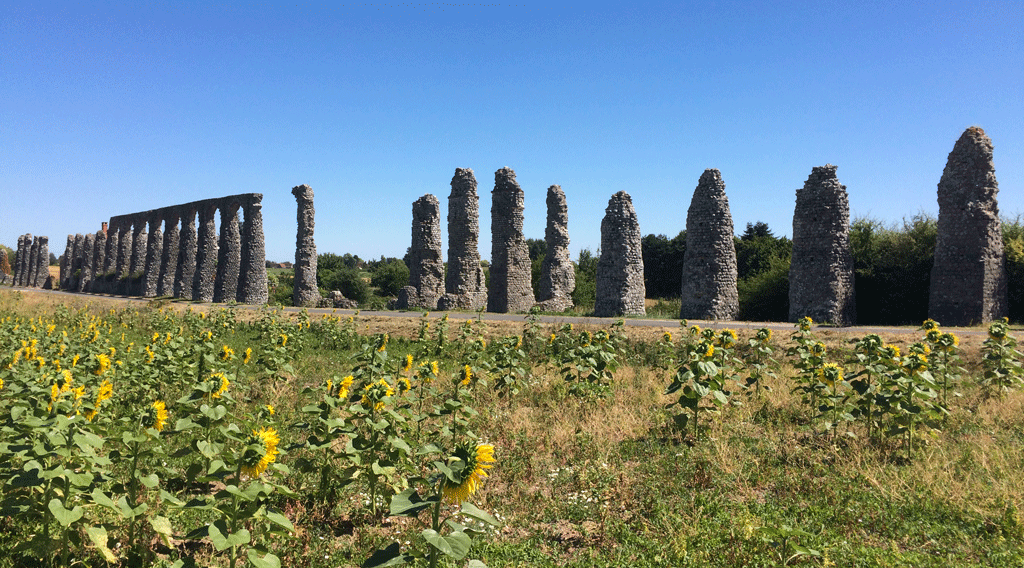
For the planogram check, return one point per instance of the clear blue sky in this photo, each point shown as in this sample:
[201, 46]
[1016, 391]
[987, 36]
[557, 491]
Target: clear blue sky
[107, 109]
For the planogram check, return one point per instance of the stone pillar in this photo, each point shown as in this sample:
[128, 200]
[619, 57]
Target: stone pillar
[32, 269]
[620, 270]
[77, 254]
[558, 277]
[110, 254]
[464, 283]
[43, 267]
[124, 252]
[968, 280]
[154, 252]
[85, 278]
[5, 265]
[252, 276]
[65, 262]
[169, 254]
[21, 261]
[709, 263]
[511, 288]
[821, 270]
[99, 257]
[306, 292]
[230, 255]
[137, 261]
[426, 264]
[206, 254]
[184, 273]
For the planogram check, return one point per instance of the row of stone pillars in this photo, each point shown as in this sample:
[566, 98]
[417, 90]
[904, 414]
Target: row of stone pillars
[187, 262]
[31, 267]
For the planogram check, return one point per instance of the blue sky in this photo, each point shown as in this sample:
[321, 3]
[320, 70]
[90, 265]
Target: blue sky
[108, 109]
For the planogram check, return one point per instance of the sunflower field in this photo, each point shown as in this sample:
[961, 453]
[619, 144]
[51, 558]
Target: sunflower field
[161, 435]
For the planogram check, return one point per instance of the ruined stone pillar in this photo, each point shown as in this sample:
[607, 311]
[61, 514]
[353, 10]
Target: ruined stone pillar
[306, 292]
[230, 254]
[709, 263]
[32, 269]
[464, 283]
[124, 252]
[21, 262]
[252, 276]
[110, 255]
[184, 274]
[620, 270]
[77, 253]
[99, 257]
[137, 261]
[5, 265]
[968, 280]
[821, 270]
[511, 288]
[43, 267]
[85, 277]
[154, 252]
[426, 264]
[169, 254]
[206, 254]
[65, 262]
[558, 277]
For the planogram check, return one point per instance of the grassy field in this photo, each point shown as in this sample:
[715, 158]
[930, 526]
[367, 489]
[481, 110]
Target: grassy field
[591, 471]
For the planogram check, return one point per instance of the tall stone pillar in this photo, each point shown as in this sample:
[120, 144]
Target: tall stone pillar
[124, 252]
[184, 273]
[5, 265]
[426, 264]
[32, 270]
[709, 263]
[65, 262]
[99, 257]
[230, 254]
[620, 270]
[137, 261]
[464, 284]
[85, 277]
[43, 266]
[110, 256]
[821, 269]
[252, 276]
[305, 292]
[206, 254]
[21, 262]
[511, 288]
[968, 280]
[154, 252]
[76, 263]
[558, 276]
[169, 254]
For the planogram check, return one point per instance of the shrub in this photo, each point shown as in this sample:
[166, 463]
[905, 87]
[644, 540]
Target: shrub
[389, 277]
[348, 281]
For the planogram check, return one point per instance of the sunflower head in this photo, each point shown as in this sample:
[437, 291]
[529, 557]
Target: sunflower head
[871, 343]
[469, 467]
[260, 451]
[929, 324]
[727, 338]
[818, 349]
[156, 416]
[830, 374]
[466, 376]
[694, 330]
[248, 356]
[219, 384]
[408, 363]
[708, 334]
[375, 394]
[947, 342]
[667, 337]
[764, 335]
[226, 353]
[805, 324]
[706, 349]
[933, 335]
[919, 348]
[998, 329]
[915, 363]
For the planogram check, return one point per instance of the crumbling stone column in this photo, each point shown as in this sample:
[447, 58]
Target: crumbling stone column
[32, 270]
[42, 271]
[77, 254]
[558, 277]
[511, 288]
[620, 270]
[154, 252]
[65, 262]
[821, 270]
[464, 283]
[110, 256]
[252, 276]
[85, 278]
[124, 253]
[968, 280]
[426, 265]
[169, 254]
[206, 254]
[230, 255]
[99, 256]
[5, 265]
[137, 261]
[709, 263]
[21, 262]
[184, 273]
[305, 292]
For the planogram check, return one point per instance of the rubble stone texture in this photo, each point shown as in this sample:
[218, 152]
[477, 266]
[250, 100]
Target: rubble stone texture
[305, 292]
[85, 278]
[968, 280]
[230, 255]
[154, 252]
[21, 263]
[252, 276]
[464, 283]
[558, 277]
[65, 261]
[821, 270]
[137, 260]
[426, 263]
[110, 262]
[511, 288]
[77, 253]
[5, 265]
[184, 274]
[206, 255]
[124, 252]
[709, 263]
[99, 255]
[32, 269]
[43, 268]
[620, 270]
[169, 256]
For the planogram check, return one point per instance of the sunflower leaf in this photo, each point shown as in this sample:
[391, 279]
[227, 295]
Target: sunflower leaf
[472, 510]
[455, 545]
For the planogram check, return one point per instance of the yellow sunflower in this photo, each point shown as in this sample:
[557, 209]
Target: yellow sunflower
[475, 465]
[260, 452]
[158, 416]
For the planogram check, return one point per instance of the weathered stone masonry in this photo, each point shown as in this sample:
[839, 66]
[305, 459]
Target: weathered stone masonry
[306, 292]
[558, 276]
[620, 270]
[821, 270]
[709, 263]
[464, 283]
[426, 263]
[968, 280]
[511, 289]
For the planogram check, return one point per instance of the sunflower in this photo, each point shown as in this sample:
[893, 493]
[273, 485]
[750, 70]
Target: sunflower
[915, 363]
[102, 364]
[284, 339]
[466, 376]
[929, 324]
[551, 339]
[706, 349]
[667, 337]
[997, 330]
[260, 452]
[433, 368]
[404, 385]
[408, 363]
[344, 385]
[382, 343]
[933, 335]
[157, 417]
[219, 380]
[818, 349]
[375, 393]
[764, 335]
[227, 353]
[474, 470]
[948, 342]
[727, 337]
[805, 323]
[248, 356]
[830, 374]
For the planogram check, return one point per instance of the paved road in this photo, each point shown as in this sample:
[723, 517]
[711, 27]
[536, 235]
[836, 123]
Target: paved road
[557, 319]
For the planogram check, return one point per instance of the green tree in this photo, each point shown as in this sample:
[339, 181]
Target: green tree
[389, 277]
